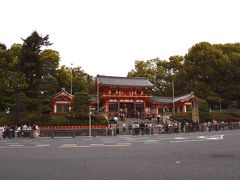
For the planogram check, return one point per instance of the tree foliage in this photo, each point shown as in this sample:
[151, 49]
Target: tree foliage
[211, 71]
[32, 71]
[81, 102]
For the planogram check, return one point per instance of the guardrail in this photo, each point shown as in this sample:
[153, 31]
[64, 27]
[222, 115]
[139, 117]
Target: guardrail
[103, 130]
[113, 131]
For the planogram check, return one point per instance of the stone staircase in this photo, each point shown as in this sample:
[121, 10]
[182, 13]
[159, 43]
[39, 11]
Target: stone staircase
[153, 121]
[131, 121]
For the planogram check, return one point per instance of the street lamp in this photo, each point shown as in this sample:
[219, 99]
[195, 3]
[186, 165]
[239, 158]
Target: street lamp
[71, 78]
[220, 103]
[90, 123]
[173, 110]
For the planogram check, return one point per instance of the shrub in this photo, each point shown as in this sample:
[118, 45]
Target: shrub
[4, 120]
[203, 110]
[179, 116]
[58, 120]
[225, 116]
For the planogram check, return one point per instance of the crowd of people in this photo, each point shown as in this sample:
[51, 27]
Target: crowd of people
[19, 131]
[168, 127]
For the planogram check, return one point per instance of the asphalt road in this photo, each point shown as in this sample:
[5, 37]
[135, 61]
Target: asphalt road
[214, 155]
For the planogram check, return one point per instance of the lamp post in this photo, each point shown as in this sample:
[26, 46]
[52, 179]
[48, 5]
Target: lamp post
[220, 103]
[71, 78]
[17, 105]
[173, 103]
[90, 123]
[98, 97]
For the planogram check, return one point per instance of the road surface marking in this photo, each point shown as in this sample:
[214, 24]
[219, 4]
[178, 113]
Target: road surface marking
[20, 147]
[16, 145]
[202, 138]
[192, 140]
[180, 138]
[12, 143]
[96, 146]
[124, 143]
[43, 145]
[69, 145]
[216, 137]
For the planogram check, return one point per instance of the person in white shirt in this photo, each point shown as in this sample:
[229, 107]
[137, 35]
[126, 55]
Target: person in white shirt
[1, 132]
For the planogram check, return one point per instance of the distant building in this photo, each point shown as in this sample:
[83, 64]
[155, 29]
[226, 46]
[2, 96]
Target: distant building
[61, 102]
[165, 104]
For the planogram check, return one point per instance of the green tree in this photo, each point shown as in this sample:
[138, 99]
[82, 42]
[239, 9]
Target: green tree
[80, 103]
[30, 62]
[151, 71]
[63, 77]
[203, 69]
[3, 46]
[159, 72]
[170, 70]
[48, 87]
[49, 60]
[81, 81]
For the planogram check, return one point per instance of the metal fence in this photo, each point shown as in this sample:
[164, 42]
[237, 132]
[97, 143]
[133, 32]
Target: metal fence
[135, 131]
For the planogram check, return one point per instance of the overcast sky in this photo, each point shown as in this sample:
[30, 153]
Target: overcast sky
[107, 36]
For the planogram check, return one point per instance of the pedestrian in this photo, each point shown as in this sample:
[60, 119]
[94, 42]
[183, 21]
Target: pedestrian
[1, 132]
[124, 128]
[158, 118]
[129, 128]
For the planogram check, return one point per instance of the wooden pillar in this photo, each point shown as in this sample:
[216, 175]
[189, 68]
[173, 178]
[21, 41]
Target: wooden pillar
[156, 109]
[144, 105]
[184, 107]
[107, 108]
[134, 108]
[54, 108]
[118, 106]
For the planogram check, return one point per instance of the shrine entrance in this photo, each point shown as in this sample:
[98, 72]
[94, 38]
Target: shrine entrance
[132, 110]
[127, 109]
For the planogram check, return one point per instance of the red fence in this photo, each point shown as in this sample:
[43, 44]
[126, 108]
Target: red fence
[71, 127]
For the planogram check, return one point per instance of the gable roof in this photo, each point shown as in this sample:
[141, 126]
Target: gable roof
[167, 100]
[124, 81]
[63, 92]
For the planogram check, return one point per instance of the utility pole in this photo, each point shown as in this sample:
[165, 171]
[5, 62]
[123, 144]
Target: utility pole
[90, 123]
[97, 97]
[17, 105]
[71, 78]
[220, 104]
[173, 103]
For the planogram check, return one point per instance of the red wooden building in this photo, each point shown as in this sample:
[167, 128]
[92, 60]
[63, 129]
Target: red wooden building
[62, 101]
[124, 96]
